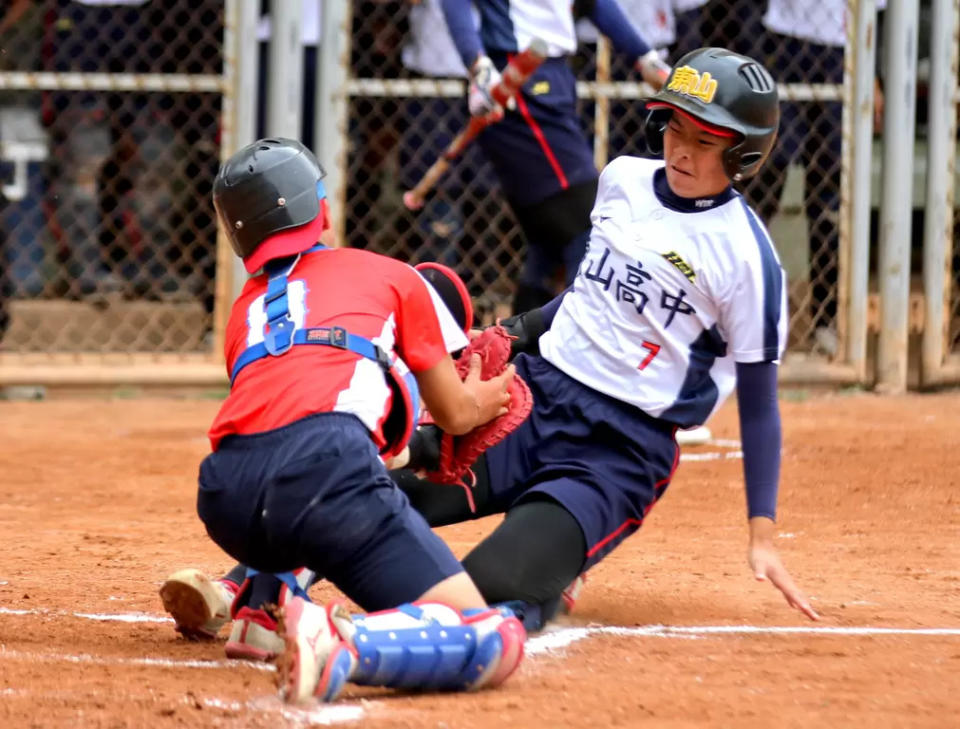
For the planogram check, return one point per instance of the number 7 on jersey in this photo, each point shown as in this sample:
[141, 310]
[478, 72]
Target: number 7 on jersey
[654, 349]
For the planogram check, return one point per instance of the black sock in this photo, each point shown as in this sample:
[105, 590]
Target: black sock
[236, 575]
[264, 590]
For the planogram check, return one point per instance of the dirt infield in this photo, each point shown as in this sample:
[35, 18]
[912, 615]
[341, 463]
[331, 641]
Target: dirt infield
[97, 507]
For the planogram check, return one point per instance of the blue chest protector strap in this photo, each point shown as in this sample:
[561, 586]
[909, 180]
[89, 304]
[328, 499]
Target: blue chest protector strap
[281, 334]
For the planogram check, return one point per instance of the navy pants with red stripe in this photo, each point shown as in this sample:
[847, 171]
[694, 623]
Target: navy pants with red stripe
[539, 148]
[604, 461]
[545, 166]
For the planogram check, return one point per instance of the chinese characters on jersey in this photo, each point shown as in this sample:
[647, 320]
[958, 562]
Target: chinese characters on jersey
[629, 288]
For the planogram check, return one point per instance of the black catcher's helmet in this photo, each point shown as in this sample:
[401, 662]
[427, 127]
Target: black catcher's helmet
[270, 200]
[722, 90]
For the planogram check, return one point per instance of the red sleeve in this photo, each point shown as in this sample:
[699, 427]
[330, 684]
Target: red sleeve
[419, 340]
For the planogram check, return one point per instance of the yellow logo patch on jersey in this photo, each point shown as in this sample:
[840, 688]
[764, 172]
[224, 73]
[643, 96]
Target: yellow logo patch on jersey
[690, 82]
[540, 88]
[681, 265]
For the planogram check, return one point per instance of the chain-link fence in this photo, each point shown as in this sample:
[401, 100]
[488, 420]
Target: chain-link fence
[396, 132]
[112, 117]
[109, 140]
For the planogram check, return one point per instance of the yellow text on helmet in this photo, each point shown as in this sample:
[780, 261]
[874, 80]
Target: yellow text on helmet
[690, 82]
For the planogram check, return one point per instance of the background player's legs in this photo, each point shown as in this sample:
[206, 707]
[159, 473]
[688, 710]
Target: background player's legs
[556, 232]
[546, 169]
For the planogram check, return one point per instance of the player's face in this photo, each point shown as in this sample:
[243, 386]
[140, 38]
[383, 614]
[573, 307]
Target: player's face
[694, 159]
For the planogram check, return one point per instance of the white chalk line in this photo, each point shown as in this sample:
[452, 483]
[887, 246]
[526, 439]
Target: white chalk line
[734, 452]
[713, 456]
[724, 443]
[553, 637]
[86, 658]
[557, 638]
[102, 617]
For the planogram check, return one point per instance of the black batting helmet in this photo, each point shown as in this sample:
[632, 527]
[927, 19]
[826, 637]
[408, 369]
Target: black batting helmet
[720, 91]
[271, 201]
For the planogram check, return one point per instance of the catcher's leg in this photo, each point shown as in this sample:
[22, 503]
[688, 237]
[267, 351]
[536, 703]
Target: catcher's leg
[199, 606]
[529, 560]
[424, 645]
[394, 559]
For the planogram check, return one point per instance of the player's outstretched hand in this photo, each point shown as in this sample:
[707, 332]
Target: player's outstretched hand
[767, 566]
[491, 395]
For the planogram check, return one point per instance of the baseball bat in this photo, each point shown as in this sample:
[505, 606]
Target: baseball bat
[515, 75]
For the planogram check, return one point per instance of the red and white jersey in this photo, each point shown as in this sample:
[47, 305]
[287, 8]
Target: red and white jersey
[367, 294]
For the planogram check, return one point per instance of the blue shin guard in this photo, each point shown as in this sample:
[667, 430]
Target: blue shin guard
[431, 646]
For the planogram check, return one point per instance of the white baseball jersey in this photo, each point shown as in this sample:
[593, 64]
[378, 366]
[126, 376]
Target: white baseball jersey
[820, 21]
[669, 296]
[429, 49]
[510, 25]
[654, 20]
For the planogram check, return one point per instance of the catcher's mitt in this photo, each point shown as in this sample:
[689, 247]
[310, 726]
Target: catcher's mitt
[459, 453]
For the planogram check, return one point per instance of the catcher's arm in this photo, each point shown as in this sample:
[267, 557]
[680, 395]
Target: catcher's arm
[520, 68]
[458, 407]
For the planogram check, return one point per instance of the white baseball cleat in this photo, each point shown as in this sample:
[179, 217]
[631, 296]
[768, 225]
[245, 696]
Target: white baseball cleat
[316, 662]
[199, 606]
[254, 636]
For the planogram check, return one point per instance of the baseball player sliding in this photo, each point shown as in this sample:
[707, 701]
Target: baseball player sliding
[679, 298]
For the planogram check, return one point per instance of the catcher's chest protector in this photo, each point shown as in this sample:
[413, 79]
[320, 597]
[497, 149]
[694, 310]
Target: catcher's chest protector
[281, 334]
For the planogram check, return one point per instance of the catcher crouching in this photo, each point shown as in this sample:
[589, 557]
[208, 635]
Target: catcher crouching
[329, 352]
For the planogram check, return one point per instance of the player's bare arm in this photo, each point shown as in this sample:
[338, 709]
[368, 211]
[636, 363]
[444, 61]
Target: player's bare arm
[767, 566]
[458, 407]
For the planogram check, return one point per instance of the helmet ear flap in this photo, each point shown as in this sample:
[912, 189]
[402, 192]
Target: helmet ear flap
[740, 165]
[653, 128]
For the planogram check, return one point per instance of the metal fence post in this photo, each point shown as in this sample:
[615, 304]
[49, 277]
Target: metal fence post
[941, 159]
[860, 61]
[900, 56]
[285, 70]
[238, 128]
[601, 114]
[330, 135]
